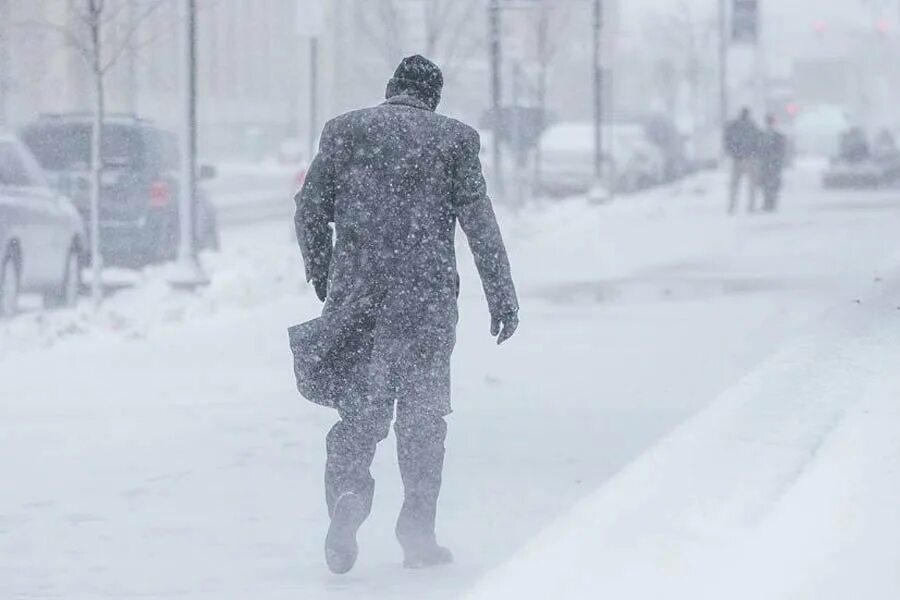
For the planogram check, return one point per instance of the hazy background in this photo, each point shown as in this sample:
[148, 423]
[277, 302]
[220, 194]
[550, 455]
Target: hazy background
[661, 58]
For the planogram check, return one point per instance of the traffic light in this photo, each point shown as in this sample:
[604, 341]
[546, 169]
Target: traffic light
[745, 21]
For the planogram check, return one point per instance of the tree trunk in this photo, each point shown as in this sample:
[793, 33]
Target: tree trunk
[543, 64]
[539, 147]
[4, 59]
[96, 162]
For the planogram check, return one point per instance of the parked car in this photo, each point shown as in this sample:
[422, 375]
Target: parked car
[639, 163]
[818, 129]
[860, 164]
[671, 143]
[139, 195]
[631, 161]
[42, 239]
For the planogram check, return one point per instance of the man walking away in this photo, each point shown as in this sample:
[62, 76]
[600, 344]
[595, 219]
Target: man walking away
[773, 154]
[394, 180]
[742, 138]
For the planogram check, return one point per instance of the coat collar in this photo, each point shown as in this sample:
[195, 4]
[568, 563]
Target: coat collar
[407, 100]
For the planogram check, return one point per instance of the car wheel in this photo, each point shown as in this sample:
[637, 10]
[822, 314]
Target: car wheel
[66, 295]
[9, 286]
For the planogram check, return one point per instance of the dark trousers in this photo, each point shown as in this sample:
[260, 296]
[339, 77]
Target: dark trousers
[351, 447]
[771, 187]
[743, 168]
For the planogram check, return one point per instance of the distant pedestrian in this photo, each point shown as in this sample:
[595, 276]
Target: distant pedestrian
[742, 141]
[393, 180]
[772, 159]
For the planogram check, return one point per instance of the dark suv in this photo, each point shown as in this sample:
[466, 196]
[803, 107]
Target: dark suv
[139, 184]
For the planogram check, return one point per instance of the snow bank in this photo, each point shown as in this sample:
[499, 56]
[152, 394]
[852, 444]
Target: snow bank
[786, 487]
[256, 270]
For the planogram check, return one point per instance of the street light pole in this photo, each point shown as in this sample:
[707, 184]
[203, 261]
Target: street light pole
[723, 64]
[598, 91]
[496, 93]
[4, 67]
[313, 94]
[188, 273]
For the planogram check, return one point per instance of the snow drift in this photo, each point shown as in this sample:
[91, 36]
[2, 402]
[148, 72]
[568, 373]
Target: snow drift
[785, 487]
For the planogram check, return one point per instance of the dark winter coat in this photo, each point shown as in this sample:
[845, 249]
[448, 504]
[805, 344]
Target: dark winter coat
[394, 180]
[742, 139]
[773, 156]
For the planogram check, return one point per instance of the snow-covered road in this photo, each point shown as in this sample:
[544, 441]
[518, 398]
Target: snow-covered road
[158, 449]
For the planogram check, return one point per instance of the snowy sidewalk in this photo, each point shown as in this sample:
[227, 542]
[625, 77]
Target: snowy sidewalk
[786, 487]
[159, 449]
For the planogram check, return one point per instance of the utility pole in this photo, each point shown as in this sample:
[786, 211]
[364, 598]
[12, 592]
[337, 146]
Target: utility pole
[517, 136]
[313, 94]
[496, 60]
[543, 60]
[762, 89]
[311, 25]
[188, 272]
[598, 91]
[723, 64]
[4, 58]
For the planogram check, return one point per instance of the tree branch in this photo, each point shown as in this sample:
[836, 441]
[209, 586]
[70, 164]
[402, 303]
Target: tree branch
[457, 37]
[387, 45]
[134, 47]
[68, 36]
[438, 12]
[127, 41]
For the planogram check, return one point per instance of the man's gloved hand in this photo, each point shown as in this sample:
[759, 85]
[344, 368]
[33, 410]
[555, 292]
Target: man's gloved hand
[321, 287]
[504, 327]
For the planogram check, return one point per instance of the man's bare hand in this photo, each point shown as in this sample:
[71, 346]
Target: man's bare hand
[504, 327]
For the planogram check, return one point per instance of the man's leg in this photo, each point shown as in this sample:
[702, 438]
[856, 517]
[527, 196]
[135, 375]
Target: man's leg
[765, 186]
[349, 486]
[735, 185]
[421, 433]
[776, 190]
[752, 169]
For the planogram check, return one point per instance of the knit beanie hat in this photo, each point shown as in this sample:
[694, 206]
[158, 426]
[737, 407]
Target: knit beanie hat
[418, 77]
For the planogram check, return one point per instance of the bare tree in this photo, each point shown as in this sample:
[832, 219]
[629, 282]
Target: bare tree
[684, 42]
[447, 28]
[101, 32]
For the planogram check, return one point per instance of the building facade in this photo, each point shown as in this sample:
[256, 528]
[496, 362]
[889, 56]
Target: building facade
[254, 61]
[248, 52]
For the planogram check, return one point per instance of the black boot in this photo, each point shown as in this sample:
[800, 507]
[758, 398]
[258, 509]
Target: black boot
[349, 486]
[341, 549]
[420, 449]
[422, 556]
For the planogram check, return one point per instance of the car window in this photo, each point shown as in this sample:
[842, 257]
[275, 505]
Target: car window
[123, 146]
[13, 168]
[67, 146]
[162, 149]
[35, 172]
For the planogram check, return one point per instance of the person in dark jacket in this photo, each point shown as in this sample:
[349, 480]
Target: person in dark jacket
[773, 155]
[394, 180]
[742, 140]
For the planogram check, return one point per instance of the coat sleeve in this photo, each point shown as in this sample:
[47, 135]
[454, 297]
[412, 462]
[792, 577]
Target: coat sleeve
[476, 216]
[315, 210]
